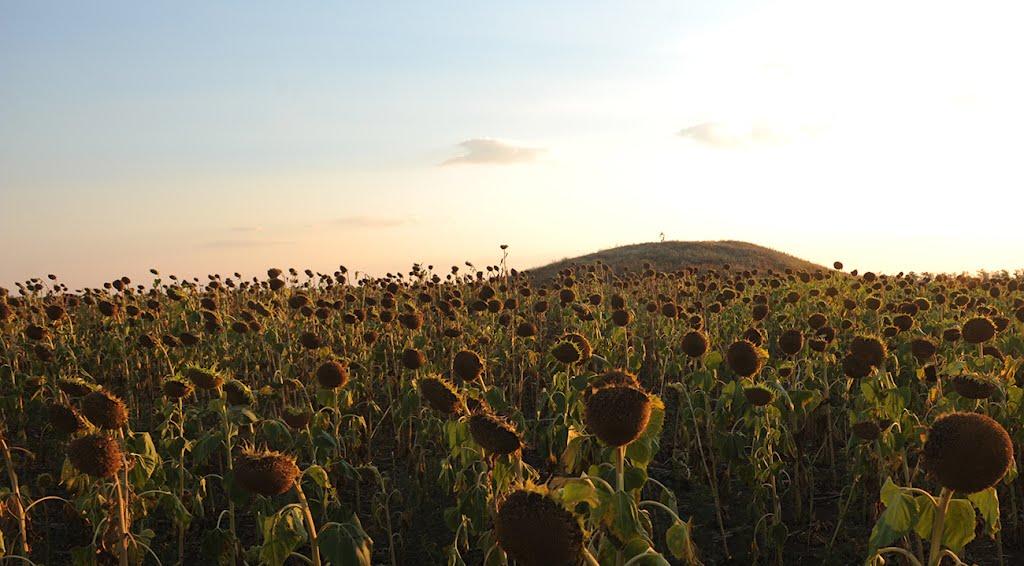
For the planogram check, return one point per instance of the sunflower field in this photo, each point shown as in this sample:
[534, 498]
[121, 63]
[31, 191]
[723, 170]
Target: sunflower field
[483, 416]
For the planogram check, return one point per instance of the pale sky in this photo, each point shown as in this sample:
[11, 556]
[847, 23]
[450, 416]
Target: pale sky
[202, 137]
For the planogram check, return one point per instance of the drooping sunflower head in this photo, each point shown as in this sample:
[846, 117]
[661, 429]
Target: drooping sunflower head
[105, 410]
[535, 530]
[494, 434]
[745, 359]
[265, 473]
[618, 414]
[97, 455]
[967, 452]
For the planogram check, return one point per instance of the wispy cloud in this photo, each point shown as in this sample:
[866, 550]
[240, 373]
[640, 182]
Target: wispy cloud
[228, 244]
[366, 221]
[489, 150]
[730, 135]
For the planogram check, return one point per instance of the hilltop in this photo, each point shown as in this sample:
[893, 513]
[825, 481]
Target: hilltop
[675, 255]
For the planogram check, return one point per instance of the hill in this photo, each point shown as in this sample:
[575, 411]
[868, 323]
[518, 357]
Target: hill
[674, 255]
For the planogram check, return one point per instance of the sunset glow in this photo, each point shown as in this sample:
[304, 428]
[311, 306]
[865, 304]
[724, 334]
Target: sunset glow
[198, 137]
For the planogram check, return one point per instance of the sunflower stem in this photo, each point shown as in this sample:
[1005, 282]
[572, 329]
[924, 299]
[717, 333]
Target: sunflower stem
[19, 510]
[935, 548]
[310, 524]
[122, 523]
[620, 465]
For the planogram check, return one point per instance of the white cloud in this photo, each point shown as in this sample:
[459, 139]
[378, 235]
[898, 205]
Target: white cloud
[731, 135]
[364, 221]
[237, 243]
[489, 150]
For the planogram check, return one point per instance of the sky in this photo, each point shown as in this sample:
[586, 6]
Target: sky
[201, 137]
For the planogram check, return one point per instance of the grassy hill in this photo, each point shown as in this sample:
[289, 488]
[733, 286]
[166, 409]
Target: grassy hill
[672, 256]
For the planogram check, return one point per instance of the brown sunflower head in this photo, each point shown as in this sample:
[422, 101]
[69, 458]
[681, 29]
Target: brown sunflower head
[537, 531]
[855, 367]
[55, 312]
[967, 452]
[695, 343]
[791, 342]
[867, 430]
[105, 410]
[440, 395]
[758, 395]
[745, 359]
[870, 349]
[97, 455]
[310, 341]
[296, 418]
[332, 374]
[467, 365]
[238, 393]
[582, 343]
[177, 388]
[973, 386]
[75, 386]
[412, 321]
[566, 352]
[526, 330]
[265, 472]
[413, 359]
[613, 377]
[951, 335]
[36, 332]
[978, 330]
[622, 317]
[923, 349]
[493, 434]
[203, 378]
[618, 414]
[65, 419]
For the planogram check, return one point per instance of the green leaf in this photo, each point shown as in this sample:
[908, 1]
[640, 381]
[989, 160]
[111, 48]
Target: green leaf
[897, 520]
[175, 509]
[634, 478]
[345, 544]
[140, 445]
[680, 542]
[623, 518]
[206, 446]
[713, 360]
[319, 476]
[83, 556]
[216, 546]
[579, 490]
[639, 551]
[987, 503]
[957, 527]
[277, 434]
[571, 455]
[283, 532]
[642, 450]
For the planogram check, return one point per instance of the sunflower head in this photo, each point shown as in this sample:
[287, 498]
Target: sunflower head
[97, 455]
[440, 395]
[105, 410]
[332, 374]
[535, 530]
[967, 452]
[618, 414]
[494, 434]
[758, 395]
[265, 472]
[745, 359]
